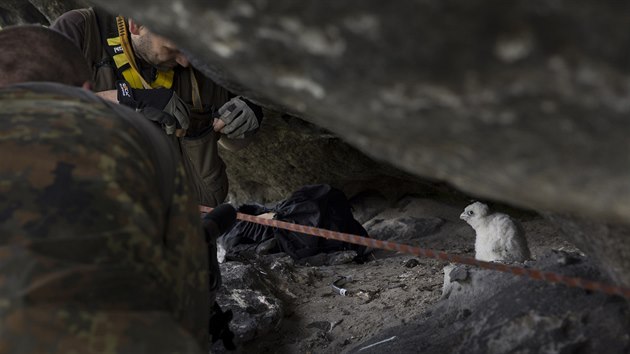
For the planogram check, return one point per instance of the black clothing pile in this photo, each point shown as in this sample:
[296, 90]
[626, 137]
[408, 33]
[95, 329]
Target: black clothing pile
[319, 206]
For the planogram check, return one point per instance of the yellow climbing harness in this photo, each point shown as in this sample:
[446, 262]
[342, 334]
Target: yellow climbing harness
[126, 63]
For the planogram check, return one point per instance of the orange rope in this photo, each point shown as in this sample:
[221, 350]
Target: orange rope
[549, 277]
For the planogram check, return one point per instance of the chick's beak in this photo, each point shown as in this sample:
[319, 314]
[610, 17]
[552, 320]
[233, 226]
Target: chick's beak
[463, 216]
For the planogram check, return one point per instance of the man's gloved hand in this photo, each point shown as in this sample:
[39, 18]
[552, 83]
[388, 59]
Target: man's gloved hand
[239, 119]
[219, 220]
[159, 105]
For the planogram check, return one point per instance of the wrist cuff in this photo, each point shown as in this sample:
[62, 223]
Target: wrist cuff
[125, 94]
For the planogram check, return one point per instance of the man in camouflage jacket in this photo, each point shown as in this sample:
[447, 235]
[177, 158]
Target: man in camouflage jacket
[101, 246]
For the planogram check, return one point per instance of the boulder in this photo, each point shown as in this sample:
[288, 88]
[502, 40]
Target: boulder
[256, 310]
[489, 312]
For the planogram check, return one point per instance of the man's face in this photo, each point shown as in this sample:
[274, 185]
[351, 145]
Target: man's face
[158, 51]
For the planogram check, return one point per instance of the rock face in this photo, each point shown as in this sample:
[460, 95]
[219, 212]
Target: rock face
[288, 153]
[607, 243]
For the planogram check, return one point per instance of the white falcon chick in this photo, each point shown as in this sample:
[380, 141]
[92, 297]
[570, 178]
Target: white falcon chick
[499, 237]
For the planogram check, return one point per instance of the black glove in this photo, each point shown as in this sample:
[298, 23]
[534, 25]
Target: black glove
[240, 120]
[215, 223]
[222, 217]
[159, 105]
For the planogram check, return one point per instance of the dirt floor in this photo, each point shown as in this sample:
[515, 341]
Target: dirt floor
[390, 289]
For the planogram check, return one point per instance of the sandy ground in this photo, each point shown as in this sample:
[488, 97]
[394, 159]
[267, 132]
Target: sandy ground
[391, 289]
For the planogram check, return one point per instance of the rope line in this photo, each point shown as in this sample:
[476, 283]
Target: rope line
[535, 274]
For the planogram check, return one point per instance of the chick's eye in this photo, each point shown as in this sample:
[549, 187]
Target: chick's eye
[470, 212]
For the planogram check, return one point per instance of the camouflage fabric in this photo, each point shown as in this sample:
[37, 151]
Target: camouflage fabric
[93, 258]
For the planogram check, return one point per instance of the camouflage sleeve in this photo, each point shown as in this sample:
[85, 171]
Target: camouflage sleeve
[92, 259]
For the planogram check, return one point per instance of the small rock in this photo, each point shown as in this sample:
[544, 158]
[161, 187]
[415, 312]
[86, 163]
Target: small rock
[465, 313]
[410, 263]
[459, 273]
[342, 257]
[566, 258]
[322, 325]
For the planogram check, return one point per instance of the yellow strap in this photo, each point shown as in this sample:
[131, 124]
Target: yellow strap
[134, 80]
[127, 51]
[164, 79]
[113, 41]
[132, 75]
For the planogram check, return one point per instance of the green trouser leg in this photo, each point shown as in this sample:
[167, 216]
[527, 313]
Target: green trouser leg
[205, 168]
